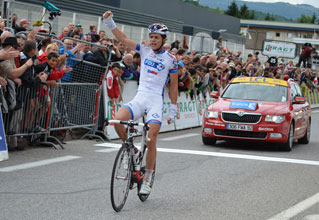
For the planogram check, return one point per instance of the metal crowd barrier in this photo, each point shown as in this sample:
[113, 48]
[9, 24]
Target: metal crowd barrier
[73, 106]
[85, 72]
[312, 96]
[40, 112]
[76, 103]
[27, 115]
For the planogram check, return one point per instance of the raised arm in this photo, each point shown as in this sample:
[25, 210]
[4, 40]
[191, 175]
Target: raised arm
[118, 34]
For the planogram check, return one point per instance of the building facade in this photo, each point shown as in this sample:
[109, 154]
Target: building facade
[282, 31]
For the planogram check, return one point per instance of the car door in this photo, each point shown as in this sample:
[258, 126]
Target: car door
[305, 112]
[297, 110]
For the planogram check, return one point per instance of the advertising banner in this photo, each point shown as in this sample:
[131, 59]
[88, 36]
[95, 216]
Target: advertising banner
[187, 112]
[3, 145]
[279, 49]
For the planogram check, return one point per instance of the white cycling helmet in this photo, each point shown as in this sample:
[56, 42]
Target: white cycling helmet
[158, 29]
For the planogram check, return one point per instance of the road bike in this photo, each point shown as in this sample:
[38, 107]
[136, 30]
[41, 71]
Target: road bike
[129, 170]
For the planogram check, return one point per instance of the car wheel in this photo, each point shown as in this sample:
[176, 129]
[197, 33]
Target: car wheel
[305, 139]
[290, 140]
[209, 141]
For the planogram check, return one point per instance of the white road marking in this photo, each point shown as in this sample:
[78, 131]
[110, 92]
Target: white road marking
[106, 150]
[108, 145]
[179, 137]
[298, 208]
[228, 155]
[37, 163]
[311, 217]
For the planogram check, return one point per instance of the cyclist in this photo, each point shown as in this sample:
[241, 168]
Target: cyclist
[157, 66]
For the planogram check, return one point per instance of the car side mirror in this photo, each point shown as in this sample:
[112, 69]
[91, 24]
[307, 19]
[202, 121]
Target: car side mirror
[299, 100]
[214, 94]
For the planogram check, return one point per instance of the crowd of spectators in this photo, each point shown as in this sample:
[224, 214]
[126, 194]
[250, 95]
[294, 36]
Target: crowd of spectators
[26, 61]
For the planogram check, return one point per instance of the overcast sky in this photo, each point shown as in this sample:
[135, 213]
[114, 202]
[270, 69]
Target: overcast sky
[314, 3]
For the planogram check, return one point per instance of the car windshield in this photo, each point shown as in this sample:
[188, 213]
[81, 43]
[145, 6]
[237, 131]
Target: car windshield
[261, 92]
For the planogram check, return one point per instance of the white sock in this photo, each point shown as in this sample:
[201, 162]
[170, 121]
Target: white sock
[148, 175]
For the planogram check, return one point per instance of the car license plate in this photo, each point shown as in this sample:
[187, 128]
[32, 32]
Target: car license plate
[239, 127]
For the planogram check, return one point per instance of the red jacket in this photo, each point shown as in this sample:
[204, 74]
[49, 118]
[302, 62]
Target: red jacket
[112, 85]
[55, 74]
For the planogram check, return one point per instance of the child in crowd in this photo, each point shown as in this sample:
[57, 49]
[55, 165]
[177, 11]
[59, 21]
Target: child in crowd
[112, 82]
[50, 68]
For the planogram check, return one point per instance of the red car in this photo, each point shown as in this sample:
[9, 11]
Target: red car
[258, 109]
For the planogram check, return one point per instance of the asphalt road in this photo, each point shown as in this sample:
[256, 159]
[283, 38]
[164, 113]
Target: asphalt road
[230, 181]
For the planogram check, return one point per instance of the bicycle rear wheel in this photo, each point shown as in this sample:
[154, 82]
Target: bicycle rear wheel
[121, 178]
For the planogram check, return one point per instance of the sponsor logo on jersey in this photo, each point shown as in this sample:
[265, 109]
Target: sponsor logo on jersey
[152, 71]
[151, 63]
[155, 115]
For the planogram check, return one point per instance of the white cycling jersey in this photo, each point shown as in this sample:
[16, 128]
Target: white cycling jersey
[154, 74]
[155, 69]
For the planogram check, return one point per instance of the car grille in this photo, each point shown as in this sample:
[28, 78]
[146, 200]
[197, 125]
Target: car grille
[246, 118]
[243, 134]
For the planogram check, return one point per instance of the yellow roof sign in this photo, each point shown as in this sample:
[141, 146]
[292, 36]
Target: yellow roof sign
[260, 80]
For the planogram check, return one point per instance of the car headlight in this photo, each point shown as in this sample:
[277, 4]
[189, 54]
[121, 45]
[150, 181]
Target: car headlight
[211, 114]
[275, 118]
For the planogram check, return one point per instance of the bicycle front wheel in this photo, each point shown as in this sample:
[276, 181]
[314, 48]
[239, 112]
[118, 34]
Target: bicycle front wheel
[121, 178]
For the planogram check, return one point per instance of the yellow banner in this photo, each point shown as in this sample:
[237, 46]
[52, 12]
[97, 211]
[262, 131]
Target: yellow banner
[260, 80]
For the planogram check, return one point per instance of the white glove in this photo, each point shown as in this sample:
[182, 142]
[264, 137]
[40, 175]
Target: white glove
[172, 112]
[109, 22]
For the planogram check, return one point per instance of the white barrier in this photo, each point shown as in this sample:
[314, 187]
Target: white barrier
[190, 112]
[187, 116]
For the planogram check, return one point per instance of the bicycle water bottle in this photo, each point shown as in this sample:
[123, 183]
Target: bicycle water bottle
[136, 158]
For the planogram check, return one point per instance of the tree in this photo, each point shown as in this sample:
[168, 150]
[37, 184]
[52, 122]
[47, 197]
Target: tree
[194, 2]
[314, 18]
[267, 18]
[272, 18]
[252, 15]
[304, 19]
[232, 9]
[244, 12]
[218, 10]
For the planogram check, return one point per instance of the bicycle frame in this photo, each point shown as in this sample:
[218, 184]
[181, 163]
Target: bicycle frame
[131, 132]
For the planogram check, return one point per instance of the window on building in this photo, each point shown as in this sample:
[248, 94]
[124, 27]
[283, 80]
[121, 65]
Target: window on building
[268, 36]
[307, 35]
[289, 35]
[277, 34]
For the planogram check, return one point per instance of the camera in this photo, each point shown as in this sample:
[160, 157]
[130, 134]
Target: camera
[54, 11]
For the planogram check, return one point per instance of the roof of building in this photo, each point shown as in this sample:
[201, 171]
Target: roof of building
[279, 25]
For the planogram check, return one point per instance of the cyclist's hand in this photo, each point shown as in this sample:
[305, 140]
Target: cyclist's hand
[108, 20]
[172, 112]
[107, 14]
